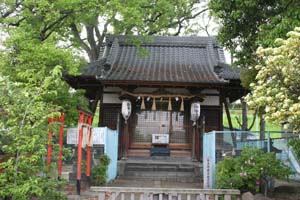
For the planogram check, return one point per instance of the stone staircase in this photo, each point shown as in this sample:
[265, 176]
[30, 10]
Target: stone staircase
[182, 171]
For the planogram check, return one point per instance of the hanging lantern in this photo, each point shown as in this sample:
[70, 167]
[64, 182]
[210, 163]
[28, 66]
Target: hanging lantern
[195, 111]
[126, 109]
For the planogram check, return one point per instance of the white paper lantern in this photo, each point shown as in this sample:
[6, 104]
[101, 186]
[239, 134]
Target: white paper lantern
[195, 111]
[126, 109]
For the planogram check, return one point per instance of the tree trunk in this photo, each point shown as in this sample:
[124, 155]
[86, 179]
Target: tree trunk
[244, 115]
[244, 119]
[262, 128]
[226, 105]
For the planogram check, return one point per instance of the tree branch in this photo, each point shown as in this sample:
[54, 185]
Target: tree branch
[253, 121]
[180, 21]
[101, 38]
[17, 23]
[238, 121]
[187, 18]
[9, 12]
[43, 34]
[179, 29]
[78, 38]
[92, 41]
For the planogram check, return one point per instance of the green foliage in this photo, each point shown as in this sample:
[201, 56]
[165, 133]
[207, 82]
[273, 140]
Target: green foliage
[68, 21]
[295, 144]
[246, 171]
[23, 139]
[276, 88]
[245, 25]
[99, 172]
[31, 61]
[43, 41]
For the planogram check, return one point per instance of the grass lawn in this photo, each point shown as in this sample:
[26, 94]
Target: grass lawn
[238, 114]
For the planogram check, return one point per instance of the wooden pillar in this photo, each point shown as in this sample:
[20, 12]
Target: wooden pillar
[194, 141]
[100, 110]
[126, 141]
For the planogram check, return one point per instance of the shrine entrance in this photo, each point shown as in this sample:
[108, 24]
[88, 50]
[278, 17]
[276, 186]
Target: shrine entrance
[172, 124]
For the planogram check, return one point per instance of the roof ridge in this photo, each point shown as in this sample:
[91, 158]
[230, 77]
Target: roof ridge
[162, 40]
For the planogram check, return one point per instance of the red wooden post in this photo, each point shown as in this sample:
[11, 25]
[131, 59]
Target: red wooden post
[88, 148]
[61, 138]
[79, 151]
[49, 150]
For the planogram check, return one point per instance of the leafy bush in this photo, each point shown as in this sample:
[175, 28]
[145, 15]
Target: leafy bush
[247, 171]
[295, 143]
[98, 172]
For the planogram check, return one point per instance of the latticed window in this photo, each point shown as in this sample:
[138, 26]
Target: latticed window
[161, 121]
[109, 116]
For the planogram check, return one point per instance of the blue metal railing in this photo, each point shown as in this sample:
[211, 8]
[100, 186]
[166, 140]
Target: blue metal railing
[231, 143]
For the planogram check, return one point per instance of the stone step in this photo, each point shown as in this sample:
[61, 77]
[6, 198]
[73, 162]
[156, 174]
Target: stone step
[65, 175]
[185, 177]
[171, 170]
[159, 174]
[158, 168]
[162, 178]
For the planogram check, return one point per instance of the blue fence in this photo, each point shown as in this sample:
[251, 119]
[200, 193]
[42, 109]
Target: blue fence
[231, 143]
[111, 149]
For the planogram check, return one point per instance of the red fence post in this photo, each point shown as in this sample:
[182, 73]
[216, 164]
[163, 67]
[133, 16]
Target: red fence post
[88, 149]
[61, 138]
[79, 151]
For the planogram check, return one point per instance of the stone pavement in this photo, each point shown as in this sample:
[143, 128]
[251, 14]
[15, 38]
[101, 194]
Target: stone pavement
[283, 191]
[286, 190]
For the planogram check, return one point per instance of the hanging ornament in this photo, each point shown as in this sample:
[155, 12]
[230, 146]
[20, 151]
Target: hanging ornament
[182, 105]
[195, 111]
[143, 107]
[126, 109]
[153, 105]
[169, 104]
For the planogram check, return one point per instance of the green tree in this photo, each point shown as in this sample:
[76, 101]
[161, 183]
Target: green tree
[277, 84]
[23, 138]
[246, 25]
[29, 61]
[83, 24]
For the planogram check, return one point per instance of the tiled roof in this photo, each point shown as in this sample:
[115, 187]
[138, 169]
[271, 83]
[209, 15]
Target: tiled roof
[167, 59]
[227, 72]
